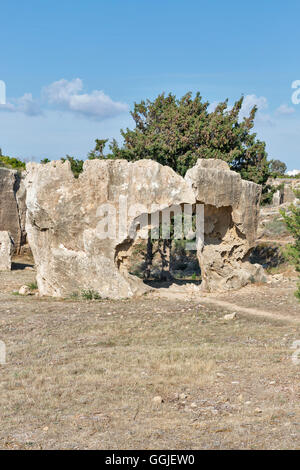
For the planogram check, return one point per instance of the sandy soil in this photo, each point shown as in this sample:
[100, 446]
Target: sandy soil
[83, 374]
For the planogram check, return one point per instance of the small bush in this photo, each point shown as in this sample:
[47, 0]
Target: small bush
[90, 294]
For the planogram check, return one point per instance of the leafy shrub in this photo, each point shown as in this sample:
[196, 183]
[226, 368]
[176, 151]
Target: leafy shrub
[268, 193]
[12, 163]
[32, 286]
[90, 294]
[76, 165]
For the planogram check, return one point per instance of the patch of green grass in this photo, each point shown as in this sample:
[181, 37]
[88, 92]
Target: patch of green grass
[90, 294]
[32, 286]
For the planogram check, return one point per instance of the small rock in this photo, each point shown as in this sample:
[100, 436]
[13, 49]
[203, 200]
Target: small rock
[193, 405]
[182, 396]
[45, 428]
[257, 411]
[24, 290]
[230, 316]
[157, 400]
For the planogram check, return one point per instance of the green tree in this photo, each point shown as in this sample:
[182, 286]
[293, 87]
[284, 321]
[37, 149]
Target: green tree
[98, 149]
[277, 167]
[176, 132]
[292, 220]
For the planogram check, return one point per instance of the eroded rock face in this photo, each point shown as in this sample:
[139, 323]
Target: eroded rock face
[6, 251]
[65, 215]
[231, 212]
[12, 206]
[63, 218]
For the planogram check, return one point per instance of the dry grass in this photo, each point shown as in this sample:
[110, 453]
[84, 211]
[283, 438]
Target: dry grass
[83, 374]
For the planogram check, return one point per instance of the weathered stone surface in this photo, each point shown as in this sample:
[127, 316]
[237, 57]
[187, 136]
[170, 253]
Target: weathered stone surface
[12, 205]
[231, 212]
[63, 222]
[6, 251]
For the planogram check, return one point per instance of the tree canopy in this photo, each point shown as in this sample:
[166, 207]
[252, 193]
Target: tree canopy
[176, 132]
[277, 167]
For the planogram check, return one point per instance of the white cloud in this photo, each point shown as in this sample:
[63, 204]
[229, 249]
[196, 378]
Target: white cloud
[67, 95]
[293, 172]
[284, 109]
[26, 105]
[252, 100]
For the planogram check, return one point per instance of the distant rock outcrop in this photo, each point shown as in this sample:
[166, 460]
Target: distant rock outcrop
[65, 215]
[285, 193]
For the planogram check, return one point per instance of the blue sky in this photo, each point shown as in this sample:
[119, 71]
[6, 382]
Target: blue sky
[73, 69]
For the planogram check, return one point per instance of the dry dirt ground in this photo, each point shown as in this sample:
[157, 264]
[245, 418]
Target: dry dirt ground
[83, 374]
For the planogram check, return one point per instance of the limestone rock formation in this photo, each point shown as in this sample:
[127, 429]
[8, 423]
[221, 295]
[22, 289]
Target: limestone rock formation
[12, 205]
[66, 217]
[6, 251]
[64, 225]
[286, 188]
[231, 212]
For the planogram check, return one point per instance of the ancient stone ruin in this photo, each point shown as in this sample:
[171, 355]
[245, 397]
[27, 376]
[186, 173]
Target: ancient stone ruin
[286, 188]
[12, 206]
[64, 215]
